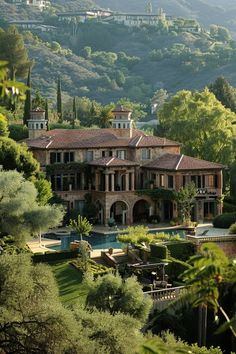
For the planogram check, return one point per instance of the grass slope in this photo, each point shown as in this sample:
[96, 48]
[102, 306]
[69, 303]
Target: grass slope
[69, 281]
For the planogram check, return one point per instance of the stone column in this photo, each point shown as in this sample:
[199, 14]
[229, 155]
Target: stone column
[113, 181]
[132, 181]
[127, 181]
[106, 182]
[97, 181]
[219, 182]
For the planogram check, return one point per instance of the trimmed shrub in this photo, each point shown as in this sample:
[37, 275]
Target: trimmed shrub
[93, 267]
[158, 251]
[232, 229]
[225, 220]
[54, 256]
[181, 250]
[229, 208]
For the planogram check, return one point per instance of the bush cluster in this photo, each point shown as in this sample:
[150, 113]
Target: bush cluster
[225, 220]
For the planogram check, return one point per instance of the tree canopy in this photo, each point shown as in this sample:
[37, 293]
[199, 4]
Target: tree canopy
[201, 123]
[224, 92]
[20, 214]
[13, 50]
[15, 156]
[110, 293]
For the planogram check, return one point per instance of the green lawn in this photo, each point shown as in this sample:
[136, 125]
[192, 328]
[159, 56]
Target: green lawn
[69, 281]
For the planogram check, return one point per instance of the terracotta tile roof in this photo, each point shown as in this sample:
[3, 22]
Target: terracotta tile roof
[121, 109]
[181, 163]
[94, 138]
[112, 161]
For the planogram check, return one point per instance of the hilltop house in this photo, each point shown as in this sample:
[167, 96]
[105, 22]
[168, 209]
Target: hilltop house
[40, 4]
[117, 165]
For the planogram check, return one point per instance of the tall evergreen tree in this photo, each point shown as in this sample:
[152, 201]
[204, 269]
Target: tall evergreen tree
[28, 103]
[59, 100]
[224, 92]
[74, 116]
[46, 113]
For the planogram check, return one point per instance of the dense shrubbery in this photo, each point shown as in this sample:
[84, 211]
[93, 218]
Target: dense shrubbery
[224, 220]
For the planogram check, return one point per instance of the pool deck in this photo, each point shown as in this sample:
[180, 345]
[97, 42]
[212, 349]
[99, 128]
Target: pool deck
[36, 247]
[207, 229]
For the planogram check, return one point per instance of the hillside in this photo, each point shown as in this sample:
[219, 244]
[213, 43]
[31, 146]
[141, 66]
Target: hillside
[221, 12]
[127, 63]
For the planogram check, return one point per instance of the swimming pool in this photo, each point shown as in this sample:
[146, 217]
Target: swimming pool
[97, 241]
[100, 241]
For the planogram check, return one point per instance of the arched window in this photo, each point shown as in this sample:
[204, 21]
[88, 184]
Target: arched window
[41, 125]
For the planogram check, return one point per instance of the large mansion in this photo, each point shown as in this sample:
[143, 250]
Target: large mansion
[117, 166]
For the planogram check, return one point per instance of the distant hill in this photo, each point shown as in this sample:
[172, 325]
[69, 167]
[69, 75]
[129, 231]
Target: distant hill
[127, 63]
[206, 11]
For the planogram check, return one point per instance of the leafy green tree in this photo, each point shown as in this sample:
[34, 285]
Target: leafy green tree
[44, 190]
[82, 226]
[59, 100]
[105, 117]
[15, 156]
[224, 93]
[168, 344]
[27, 105]
[201, 123]
[10, 91]
[185, 198]
[208, 269]
[138, 109]
[106, 333]
[32, 319]
[3, 126]
[110, 293]
[13, 50]
[20, 214]
[159, 98]
[38, 101]
[233, 180]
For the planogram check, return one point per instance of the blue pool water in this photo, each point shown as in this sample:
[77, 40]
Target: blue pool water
[100, 241]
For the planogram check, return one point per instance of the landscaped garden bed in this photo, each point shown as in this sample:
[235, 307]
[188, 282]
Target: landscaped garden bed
[92, 267]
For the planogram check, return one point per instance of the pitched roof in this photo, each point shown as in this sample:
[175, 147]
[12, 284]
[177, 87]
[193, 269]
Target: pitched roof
[121, 109]
[175, 162]
[94, 138]
[112, 161]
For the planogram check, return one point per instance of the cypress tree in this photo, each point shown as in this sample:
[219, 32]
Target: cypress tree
[28, 103]
[59, 100]
[46, 113]
[74, 116]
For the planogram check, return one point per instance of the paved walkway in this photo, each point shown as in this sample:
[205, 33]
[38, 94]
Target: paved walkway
[35, 246]
[209, 230]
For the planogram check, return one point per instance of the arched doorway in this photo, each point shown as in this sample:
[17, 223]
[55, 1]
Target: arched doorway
[141, 211]
[118, 212]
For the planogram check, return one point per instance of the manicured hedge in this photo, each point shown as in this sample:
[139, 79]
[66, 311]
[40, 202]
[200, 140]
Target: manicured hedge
[158, 251]
[225, 220]
[229, 208]
[54, 256]
[181, 250]
[93, 267]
